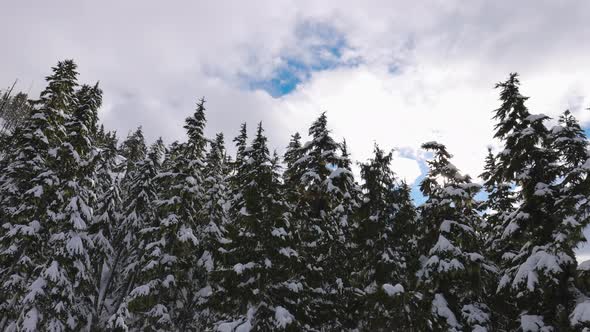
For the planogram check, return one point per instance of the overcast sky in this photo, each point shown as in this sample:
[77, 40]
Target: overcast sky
[396, 72]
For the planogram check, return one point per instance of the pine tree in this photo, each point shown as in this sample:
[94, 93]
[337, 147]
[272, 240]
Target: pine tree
[166, 290]
[322, 212]
[383, 246]
[138, 213]
[453, 265]
[291, 176]
[73, 215]
[535, 272]
[241, 142]
[254, 285]
[215, 218]
[29, 184]
[106, 222]
[134, 148]
[572, 207]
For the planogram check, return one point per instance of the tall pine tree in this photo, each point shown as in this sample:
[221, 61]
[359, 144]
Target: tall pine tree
[453, 266]
[327, 198]
[165, 294]
[383, 238]
[255, 285]
[29, 185]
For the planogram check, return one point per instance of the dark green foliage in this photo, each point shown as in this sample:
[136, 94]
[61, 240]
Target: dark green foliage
[165, 287]
[96, 236]
[538, 237]
[133, 148]
[251, 286]
[384, 249]
[322, 210]
[453, 266]
[15, 108]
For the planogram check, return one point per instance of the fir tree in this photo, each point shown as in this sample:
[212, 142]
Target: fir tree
[73, 275]
[106, 222]
[241, 142]
[291, 175]
[254, 285]
[572, 207]
[535, 268]
[453, 265]
[166, 290]
[157, 152]
[383, 247]
[63, 271]
[322, 213]
[215, 218]
[137, 214]
[29, 186]
[134, 148]
[498, 208]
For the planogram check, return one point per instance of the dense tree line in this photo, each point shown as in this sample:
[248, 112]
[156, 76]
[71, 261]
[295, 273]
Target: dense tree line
[101, 235]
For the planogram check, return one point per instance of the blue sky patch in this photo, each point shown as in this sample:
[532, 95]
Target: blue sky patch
[416, 194]
[320, 47]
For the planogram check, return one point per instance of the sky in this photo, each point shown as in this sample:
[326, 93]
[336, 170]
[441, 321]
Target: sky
[398, 73]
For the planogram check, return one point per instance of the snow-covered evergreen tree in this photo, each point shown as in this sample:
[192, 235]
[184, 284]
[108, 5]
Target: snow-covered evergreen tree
[453, 264]
[291, 177]
[166, 288]
[29, 187]
[496, 208]
[572, 210]
[241, 142]
[212, 232]
[71, 240]
[321, 211]
[106, 222]
[138, 213]
[254, 283]
[60, 284]
[133, 148]
[539, 236]
[384, 247]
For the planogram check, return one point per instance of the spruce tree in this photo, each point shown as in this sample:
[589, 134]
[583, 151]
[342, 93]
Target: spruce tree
[133, 148]
[572, 207]
[453, 266]
[254, 285]
[215, 218]
[241, 142]
[383, 248]
[539, 236]
[166, 290]
[321, 212]
[29, 187]
[292, 155]
[138, 213]
[496, 210]
[71, 240]
[105, 225]
[63, 273]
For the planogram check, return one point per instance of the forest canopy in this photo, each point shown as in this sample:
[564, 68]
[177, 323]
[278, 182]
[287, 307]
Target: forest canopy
[98, 234]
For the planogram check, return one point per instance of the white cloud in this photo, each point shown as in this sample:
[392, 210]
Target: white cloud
[426, 69]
